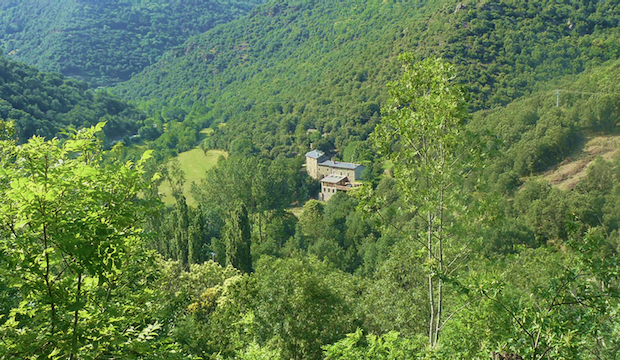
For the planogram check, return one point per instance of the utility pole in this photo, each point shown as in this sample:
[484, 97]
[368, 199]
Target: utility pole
[557, 98]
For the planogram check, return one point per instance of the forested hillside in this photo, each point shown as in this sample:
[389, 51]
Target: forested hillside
[42, 103]
[292, 66]
[104, 42]
[538, 131]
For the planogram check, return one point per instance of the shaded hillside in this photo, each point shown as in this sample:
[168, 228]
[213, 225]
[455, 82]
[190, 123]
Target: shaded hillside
[43, 103]
[293, 66]
[104, 42]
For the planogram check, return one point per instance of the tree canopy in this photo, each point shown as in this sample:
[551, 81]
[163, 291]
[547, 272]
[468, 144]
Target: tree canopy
[71, 250]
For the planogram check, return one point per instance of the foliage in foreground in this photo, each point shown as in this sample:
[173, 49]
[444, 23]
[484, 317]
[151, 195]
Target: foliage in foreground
[538, 277]
[71, 253]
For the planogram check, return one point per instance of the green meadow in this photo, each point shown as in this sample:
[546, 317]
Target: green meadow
[194, 163]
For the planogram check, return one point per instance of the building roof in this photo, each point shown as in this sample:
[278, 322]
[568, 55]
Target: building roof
[315, 154]
[333, 179]
[339, 164]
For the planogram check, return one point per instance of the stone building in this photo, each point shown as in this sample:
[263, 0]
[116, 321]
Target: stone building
[313, 158]
[319, 166]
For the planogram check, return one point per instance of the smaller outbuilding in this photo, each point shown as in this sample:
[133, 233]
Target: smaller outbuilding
[331, 184]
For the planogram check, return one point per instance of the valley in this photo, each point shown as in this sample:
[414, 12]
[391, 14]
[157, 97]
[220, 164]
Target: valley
[304, 179]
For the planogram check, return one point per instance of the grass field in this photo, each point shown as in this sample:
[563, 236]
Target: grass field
[195, 163]
[297, 211]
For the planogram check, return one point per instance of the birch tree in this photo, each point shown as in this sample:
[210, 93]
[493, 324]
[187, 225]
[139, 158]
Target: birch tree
[422, 134]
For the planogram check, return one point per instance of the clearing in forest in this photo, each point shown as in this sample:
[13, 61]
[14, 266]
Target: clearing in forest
[573, 169]
[195, 164]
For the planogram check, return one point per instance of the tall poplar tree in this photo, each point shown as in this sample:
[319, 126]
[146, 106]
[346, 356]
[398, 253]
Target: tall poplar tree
[237, 237]
[422, 134]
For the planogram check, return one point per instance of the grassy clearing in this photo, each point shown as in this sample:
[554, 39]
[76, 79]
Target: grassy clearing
[572, 170]
[297, 211]
[194, 163]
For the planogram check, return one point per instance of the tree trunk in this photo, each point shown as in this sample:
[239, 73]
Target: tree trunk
[439, 280]
[431, 296]
[76, 316]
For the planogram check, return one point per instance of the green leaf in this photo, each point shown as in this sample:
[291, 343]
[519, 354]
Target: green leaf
[53, 354]
[100, 126]
[146, 155]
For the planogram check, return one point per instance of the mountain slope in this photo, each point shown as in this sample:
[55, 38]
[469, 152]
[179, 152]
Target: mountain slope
[288, 67]
[45, 103]
[292, 66]
[104, 42]
[541, 130]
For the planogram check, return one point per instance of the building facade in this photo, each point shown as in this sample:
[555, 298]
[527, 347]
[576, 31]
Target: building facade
[331, 184]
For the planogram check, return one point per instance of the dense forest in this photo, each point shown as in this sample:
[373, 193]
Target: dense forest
[104, 42]
[44, 104]
[463, 241]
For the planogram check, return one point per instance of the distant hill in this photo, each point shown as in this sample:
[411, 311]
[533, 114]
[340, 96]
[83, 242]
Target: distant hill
[43, 103]
[104, 42]
[294, 66]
